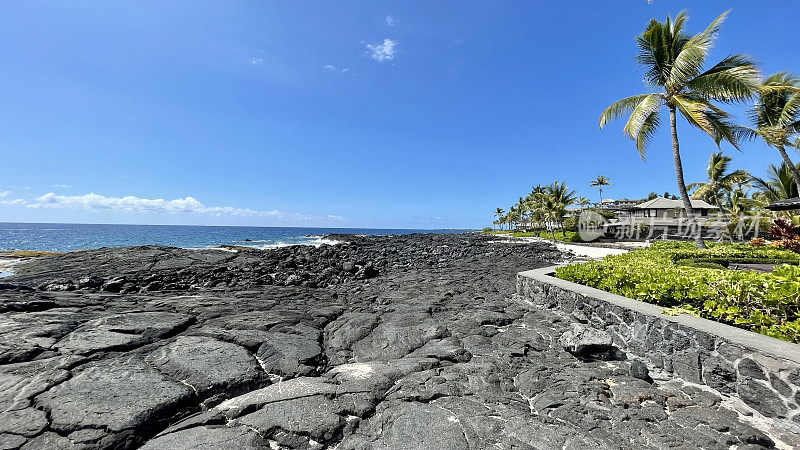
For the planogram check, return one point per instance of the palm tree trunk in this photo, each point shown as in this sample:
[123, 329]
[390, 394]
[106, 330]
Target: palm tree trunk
[601, 196]
[676, 153]
[792, 167]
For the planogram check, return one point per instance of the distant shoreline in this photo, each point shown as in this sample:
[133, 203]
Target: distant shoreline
[70, 237]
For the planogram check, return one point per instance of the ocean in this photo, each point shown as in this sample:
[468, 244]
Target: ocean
[62, 237]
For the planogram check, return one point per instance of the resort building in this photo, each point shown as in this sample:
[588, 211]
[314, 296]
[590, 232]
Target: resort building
[664, 208]
[663, 216]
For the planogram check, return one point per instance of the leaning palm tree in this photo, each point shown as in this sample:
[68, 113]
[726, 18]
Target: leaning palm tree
[720, 182]
[499, 213]
[599, 182]
[673, 63]
[776, 116]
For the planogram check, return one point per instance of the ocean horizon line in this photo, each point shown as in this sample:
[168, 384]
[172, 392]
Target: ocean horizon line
[238, 226]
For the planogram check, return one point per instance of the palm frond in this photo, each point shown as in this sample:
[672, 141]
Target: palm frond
[744, 134]
[734, 177]
[765, 187]
[641, 112]
[704, 115]
[781, 80]
[646, 132]
[620, 108]
[734, 78]
[653, 53]
[790, 111]
[690, 57]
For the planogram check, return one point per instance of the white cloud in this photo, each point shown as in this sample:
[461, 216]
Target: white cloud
[4, 193]
[390, 21]
[256, 60]
[457, 41]
[62, 186]
[332, 68]
[16, 201]
[97, 202]
[382, 52]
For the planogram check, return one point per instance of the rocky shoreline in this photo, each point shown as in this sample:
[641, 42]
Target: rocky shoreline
[378, 342]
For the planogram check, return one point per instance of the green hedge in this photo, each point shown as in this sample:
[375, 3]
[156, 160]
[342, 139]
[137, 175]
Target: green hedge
[761, 302]
[566, 236]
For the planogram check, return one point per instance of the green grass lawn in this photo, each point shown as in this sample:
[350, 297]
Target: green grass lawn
[566, 236]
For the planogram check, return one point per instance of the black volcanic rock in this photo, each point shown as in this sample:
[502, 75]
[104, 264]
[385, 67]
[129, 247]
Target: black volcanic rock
[375, 343]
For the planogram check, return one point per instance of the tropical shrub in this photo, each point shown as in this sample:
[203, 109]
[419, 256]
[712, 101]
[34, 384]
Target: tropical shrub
[784, 229]
[571, 223]
[788, 234]
[679, 275]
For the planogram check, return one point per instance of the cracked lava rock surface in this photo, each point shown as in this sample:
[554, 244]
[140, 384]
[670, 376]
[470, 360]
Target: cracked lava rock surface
[401, 342]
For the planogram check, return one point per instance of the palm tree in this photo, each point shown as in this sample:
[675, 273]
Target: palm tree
[522, 208]
[673, 64]
[512, 216]
[534, 202]
[584, 202]
[780, 184]
[499, 213]
[601, 181]
[561, 193]
[720, 181]
[776, 116]
[736, 203]
[552, 210]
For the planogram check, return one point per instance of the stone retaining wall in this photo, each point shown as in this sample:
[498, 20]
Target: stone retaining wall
[764, 372]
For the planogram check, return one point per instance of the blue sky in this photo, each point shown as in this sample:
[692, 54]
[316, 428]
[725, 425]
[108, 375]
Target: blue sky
[355, 114]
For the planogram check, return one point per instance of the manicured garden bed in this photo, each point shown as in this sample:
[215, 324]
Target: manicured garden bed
[684, 278]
